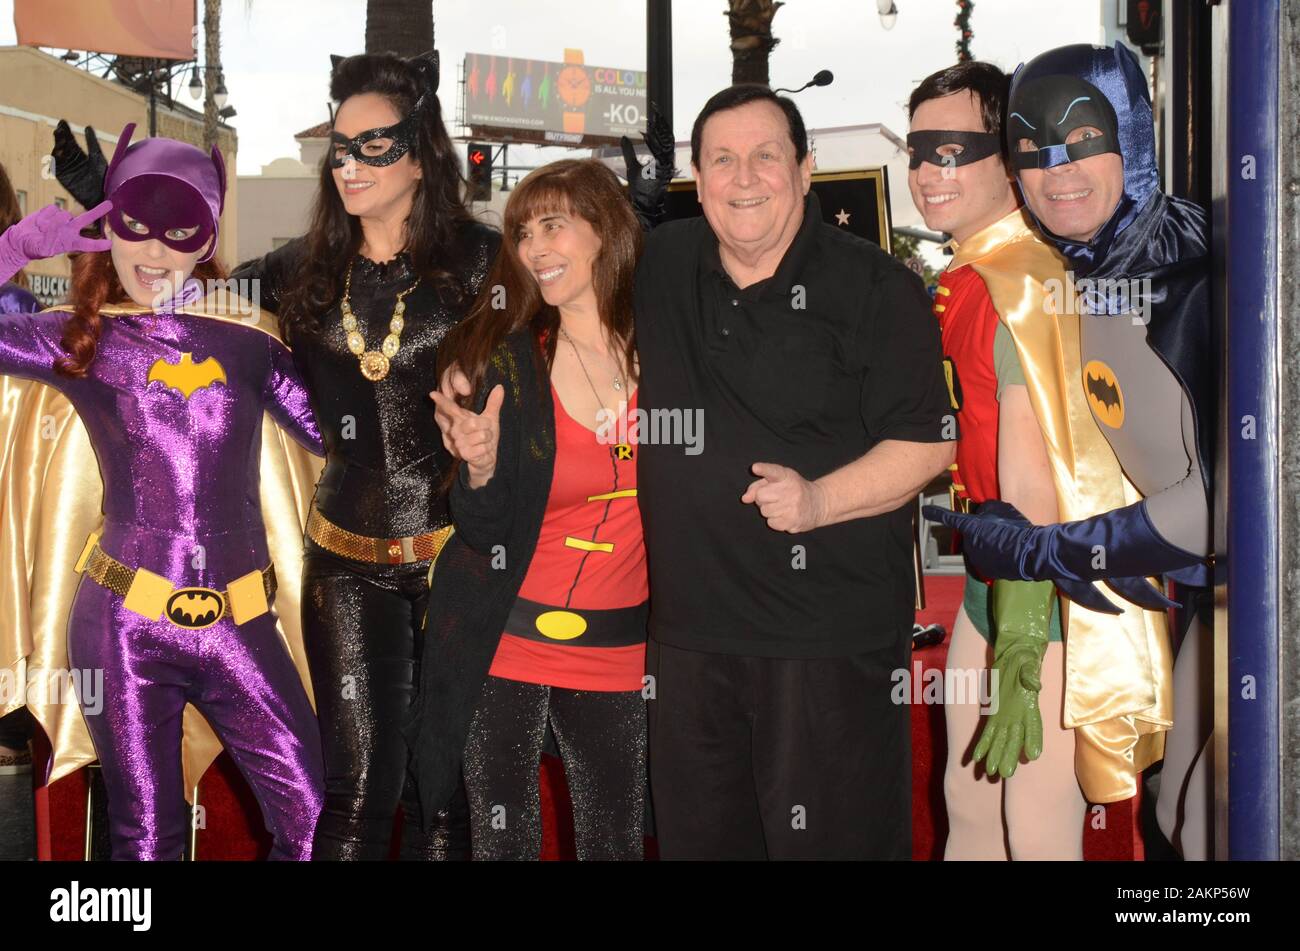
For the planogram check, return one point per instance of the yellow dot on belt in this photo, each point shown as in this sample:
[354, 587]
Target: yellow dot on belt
[561, 625]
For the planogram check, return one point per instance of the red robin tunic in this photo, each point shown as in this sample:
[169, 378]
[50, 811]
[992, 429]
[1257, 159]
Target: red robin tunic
[968, 324]
[979, 358]
[579, 619]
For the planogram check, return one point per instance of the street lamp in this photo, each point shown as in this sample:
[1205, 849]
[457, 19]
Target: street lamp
[196, 84]
[888, 13]
[220, 95]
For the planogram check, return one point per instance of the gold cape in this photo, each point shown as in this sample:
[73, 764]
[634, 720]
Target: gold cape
[50, 500]
[1118, 670]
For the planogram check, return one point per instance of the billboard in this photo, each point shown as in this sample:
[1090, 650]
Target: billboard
[154, 29]
[552, 103]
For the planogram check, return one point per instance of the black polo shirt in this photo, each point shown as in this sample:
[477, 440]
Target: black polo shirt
[809, 369]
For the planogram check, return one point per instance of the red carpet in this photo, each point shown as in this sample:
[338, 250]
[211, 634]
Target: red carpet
[230, 827]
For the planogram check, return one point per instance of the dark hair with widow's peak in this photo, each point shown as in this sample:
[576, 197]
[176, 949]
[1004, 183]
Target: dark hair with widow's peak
[94, 284]
[584, 188]
[437, 211]
[733, 97]
[987, 83]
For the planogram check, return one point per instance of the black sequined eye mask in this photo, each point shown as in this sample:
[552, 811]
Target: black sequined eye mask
[402, 135]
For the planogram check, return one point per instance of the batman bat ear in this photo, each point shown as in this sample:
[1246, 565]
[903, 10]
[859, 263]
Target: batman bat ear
[335, 59]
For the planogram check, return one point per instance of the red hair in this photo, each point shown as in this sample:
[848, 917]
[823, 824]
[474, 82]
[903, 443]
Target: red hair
[94, 284]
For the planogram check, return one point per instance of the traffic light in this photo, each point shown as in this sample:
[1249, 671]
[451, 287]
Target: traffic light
[479, 160]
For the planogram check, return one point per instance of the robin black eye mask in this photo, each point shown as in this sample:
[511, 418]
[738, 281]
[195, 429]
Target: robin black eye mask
[973, 146]
[1047, 110]
[400, 136]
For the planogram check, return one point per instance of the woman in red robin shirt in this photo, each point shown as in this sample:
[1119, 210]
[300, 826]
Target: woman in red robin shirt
[572, 648]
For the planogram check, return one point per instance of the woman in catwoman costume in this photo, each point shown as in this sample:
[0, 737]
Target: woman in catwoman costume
[391, 262]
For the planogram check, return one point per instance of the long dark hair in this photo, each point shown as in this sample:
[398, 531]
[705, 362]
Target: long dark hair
[10, 214]
[582, 187]
[438, 208]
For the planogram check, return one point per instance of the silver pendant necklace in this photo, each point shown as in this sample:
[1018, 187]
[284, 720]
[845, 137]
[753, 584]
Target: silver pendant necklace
[618, 383]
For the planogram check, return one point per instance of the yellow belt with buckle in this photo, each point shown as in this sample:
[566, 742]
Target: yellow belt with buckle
[382, 551]
[153, 596]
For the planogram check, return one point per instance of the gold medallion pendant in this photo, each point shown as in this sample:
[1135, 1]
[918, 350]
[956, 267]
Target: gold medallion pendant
[374, 363]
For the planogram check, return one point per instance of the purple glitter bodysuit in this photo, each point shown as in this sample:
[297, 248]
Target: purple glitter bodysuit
[181, 499]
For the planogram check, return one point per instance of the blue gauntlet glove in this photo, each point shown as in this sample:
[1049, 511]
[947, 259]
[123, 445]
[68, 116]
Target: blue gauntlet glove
[1120, 547]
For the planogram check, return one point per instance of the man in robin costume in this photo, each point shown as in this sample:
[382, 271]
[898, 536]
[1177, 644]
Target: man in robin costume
[961, 184]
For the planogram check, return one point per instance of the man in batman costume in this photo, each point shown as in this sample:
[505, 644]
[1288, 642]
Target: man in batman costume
[1080, 132]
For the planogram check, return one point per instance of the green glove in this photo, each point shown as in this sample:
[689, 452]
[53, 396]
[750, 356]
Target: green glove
[1022, 615]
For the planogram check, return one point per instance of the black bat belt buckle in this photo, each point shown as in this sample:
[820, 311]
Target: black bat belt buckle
[195, 608]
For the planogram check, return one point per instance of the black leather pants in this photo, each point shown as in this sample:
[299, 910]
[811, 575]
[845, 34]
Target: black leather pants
[361, 627]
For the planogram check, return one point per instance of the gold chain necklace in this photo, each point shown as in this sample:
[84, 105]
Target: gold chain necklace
[374, 363]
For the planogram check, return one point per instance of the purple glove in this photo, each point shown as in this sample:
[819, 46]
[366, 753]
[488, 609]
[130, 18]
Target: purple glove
[46, 233]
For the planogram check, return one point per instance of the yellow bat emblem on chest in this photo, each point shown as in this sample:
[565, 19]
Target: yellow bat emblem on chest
[186, 376]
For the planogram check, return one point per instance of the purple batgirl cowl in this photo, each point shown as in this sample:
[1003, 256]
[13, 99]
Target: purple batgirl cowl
[173, 405]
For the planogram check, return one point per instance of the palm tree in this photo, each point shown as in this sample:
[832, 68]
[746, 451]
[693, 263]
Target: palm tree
[404, 27]
[212, 59]
[751, 38]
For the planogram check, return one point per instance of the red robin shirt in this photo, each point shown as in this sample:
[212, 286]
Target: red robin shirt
[979, 359]
[579, 620]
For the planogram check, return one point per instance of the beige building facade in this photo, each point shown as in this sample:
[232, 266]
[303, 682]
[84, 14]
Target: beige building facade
[36, 91]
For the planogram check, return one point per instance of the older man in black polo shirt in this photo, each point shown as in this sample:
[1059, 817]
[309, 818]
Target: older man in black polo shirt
[779, 548]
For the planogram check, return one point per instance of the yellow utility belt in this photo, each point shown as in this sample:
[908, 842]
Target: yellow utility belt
[153, 596]
[381, 551]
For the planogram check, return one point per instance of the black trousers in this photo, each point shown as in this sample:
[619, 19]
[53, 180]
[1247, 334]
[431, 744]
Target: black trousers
[362, 631]
[773, 758]
[602, 739]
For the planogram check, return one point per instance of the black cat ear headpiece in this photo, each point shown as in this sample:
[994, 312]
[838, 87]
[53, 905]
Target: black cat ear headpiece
[385, 145]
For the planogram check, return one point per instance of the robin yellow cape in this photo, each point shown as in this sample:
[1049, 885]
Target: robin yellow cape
[1118, 670]
[50, 500]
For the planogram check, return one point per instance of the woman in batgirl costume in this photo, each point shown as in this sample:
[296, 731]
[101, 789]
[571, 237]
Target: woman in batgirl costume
[174, 603]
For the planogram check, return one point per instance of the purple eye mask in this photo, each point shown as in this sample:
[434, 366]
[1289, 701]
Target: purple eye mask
[165, 184]
[161, 204]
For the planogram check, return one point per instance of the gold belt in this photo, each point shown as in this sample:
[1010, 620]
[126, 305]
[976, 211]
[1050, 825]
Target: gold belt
[382, 551]
[152, 596]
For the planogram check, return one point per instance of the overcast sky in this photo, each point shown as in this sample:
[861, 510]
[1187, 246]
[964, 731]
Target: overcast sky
[276, 52]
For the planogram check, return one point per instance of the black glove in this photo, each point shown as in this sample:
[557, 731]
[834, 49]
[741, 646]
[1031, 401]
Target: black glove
[646, 186]
[81, 173]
